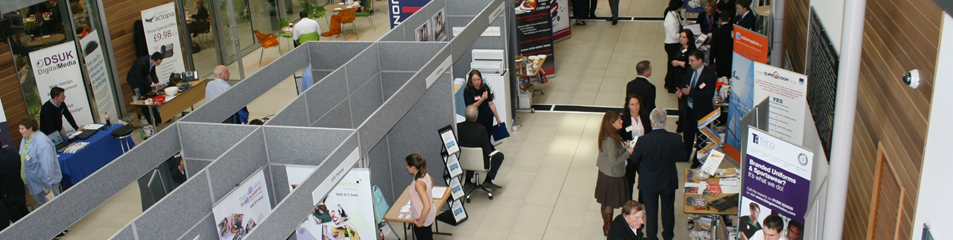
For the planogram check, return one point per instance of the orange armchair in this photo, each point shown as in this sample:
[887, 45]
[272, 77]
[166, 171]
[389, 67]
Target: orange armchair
[266, 41]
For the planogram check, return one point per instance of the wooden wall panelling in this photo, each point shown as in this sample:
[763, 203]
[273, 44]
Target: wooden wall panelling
[898, 36]
[10, 93]
[794, 44]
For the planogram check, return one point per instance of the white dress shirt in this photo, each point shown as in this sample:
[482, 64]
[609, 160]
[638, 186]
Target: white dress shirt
[305, 26]
[672, 26]
[214, 88]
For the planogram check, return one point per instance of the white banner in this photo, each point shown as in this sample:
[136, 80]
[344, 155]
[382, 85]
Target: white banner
[98, 76]
[58, 66]
[242, 210]
[786, 92]
[346, 213]
[560, 14]
[162, 35]
[297, 174]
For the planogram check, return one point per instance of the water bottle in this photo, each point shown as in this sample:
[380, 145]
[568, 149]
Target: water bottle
[107, 119]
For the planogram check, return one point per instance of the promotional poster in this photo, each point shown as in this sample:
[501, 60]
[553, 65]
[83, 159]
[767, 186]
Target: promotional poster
[749, 47]
[439, 27]
[776, 181]
[162, 35]
[98, 76]
[346, 213]
[559, 11]
[297, 174]
[402, 9]
[58, 66]
[424, 32]
[786, 92]
[242, 209]
[534, 31]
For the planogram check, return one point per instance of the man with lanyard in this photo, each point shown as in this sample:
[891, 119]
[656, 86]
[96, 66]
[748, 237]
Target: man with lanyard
[53, 111]
[699, 89]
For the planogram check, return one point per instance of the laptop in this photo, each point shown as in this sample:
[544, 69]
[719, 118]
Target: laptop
[58, 141]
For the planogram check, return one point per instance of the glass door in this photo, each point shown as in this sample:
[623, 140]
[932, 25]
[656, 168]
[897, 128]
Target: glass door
[201, 29]
[243, 22]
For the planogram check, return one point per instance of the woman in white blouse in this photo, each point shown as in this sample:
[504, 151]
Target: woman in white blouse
[672, 24]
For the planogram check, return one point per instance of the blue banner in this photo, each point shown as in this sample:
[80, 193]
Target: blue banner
[402, 9]
[742, 97]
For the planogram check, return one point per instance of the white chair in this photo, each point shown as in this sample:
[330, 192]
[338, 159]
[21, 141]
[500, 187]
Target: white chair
[471, 159]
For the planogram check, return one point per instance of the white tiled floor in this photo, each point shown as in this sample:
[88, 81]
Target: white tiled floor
[549, 174]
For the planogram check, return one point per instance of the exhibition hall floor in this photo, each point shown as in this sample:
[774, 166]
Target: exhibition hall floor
[550, 169]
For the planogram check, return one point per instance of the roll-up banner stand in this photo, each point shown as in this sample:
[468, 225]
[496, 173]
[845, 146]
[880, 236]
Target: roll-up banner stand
[534, 31]
[402, 9]
[777, 177]
[5, 136]
[58, 66]
[786, 92]
[98, 76]
[162, 35]
[560, 13]
[346, 213]
[243, 208]
[748, 48]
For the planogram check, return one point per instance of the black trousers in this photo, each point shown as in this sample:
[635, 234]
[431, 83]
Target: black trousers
[592, 8]
[671, 76]
[149, 116]
[495, 162]
[488, 125]
[631, 171]
[423, 233]
[614, 6]
[652, 199]
[689, 131]
[580, 9]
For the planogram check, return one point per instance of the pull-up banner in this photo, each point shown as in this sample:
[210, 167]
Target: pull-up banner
[58, 66]
[402, 9]
[560, 15]
[534, 31]
[749, 47]
[162, 35]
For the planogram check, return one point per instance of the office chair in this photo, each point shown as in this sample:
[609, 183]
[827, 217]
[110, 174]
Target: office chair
[471, 159]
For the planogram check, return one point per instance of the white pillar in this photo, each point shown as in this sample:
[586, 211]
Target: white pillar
[844, 110]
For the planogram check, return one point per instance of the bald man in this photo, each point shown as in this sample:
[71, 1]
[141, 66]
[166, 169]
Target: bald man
[218, 86]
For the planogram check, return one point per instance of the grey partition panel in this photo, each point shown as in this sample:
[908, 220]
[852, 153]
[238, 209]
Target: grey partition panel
[302, 146]
[366, 100]
[395, 34]
[82, 198]
[208, 141]
[233, 167]
[279, 175]
[338, 117]
[378, 161]
[407, 56]
[205, 229]
[125, 233]
[416, 133]
[246, 91]
[391, 81]
[462, 66]
[462, 42]
[295, 114]
[332, 55]
[362, 68]
[290, 212]
[178, 212]
[193, 166]
[465, 7]
[375, 127]
[326, 94]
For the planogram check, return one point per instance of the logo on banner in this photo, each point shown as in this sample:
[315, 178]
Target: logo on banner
[801, 81]
[160, 16]
[762, 142]
[802, 159]
[778, 76]
[253, 191]
[55, 61]
[738, 35]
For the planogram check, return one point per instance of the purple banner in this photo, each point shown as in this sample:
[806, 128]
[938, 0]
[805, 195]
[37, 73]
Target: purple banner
[770, 186]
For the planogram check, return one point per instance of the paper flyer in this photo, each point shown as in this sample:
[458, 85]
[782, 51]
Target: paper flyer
[242, 209]
[453, 165]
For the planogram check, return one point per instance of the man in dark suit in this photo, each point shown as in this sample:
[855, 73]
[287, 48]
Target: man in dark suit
[745, 17]
[655, 153]
[138, 78]
[53, 112]
[722, 47]
[473, 134]
[698, 87]
[641, 85]
[12, 192]
[628, 225]
[726, 6]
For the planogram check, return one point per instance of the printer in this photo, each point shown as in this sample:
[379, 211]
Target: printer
[488, 60]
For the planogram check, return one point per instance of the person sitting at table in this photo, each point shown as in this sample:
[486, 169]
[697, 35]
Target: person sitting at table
[53, 112]
[304, 26]
[473, 134]
[41, 169]
[218, 86]
[199, 18]
[138, 79]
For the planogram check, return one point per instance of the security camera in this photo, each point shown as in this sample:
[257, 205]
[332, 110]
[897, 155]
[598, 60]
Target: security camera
[912, 78]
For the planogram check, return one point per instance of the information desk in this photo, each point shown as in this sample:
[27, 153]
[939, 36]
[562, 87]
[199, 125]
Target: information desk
[393, 214]
[182, 101]
[102, 149]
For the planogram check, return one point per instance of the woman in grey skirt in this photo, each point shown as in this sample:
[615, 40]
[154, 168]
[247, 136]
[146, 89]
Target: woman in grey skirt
[612, 190]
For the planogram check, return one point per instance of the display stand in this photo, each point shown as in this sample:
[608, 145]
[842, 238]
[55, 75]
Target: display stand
[709, 134]
[450, 153]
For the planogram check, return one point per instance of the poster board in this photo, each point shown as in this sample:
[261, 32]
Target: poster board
[534, 32]
[98, 76]
[786, 92]
[559, 11]
[243, 208]
[162, 35]
[749, 47]
[346, 213]
[58, 66]
[776, 179]
[424, 33]
[438, 23]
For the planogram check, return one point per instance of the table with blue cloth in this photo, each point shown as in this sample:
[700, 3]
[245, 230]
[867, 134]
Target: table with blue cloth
[101, 150]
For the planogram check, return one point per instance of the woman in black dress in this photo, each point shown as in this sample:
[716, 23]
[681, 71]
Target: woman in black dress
[477, 93]
[680, 66]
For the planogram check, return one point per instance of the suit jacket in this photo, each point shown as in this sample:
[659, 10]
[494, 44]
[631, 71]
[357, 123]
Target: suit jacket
[722, 46]
[646, 91]
[620, 230]
[728, 6]
[747, 21]
[702, 93]
[627, 121]
[138, 76]
[655, 153]
[471, 134]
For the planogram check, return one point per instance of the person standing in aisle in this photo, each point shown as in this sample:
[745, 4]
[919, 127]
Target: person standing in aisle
[628, 225]
[722, 47]
[592, 8]
[53, 112]
[12, 193]
[727, 6]
[41, 168]
[641, 85]
[698, 89]
[655, 154]
[421, 204]
[614, 7]
[678, 67]
[672, 24]
[635, 123]
[477, 93]
[611, 186]
[580, 11]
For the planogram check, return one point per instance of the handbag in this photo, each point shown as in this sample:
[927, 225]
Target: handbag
[380, 204]
[500, 132]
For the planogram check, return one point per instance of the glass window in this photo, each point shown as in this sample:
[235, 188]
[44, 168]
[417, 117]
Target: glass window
[43, 25]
